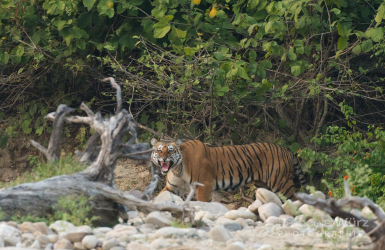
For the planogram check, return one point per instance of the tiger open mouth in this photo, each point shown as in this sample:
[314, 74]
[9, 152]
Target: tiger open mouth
[165, 166]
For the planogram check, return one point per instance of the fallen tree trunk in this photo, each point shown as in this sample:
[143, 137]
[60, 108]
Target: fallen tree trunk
[375, 230]
[102, 151]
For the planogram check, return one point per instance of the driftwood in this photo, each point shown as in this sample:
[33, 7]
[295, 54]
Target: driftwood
[375, 230]
[102, 151]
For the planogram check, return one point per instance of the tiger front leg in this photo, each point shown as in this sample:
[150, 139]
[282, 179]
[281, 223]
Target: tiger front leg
[204, 193]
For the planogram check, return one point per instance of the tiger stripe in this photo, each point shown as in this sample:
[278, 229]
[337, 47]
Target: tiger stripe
[230, 167]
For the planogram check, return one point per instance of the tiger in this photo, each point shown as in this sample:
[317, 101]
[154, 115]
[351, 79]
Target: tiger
[226, 168]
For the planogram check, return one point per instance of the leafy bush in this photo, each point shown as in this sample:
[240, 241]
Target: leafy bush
[75, 209]
[359, 158]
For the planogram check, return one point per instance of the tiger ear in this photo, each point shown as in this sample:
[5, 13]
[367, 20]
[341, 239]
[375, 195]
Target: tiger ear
[178, 142]
[154, 141]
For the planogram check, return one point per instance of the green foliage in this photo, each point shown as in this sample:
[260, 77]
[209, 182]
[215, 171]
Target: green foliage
[360, 158]
[75, 209]
[41, 171]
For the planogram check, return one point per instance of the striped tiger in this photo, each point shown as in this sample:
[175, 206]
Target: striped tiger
[226, 168]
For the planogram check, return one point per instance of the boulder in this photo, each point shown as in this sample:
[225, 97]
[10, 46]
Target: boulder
[157, 219]
[167, 196]
[266, 196]
[254, 207]
[269, 209]
[244, 214]
[219, 233]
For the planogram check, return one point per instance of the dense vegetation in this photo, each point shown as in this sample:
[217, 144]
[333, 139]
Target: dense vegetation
[304, 74]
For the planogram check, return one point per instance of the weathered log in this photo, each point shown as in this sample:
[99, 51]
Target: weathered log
[376, 231]
[97, 180]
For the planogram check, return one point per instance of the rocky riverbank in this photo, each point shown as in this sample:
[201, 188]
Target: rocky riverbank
[265, 224]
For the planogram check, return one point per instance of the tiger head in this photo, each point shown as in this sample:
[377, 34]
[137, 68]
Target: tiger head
[166, 155]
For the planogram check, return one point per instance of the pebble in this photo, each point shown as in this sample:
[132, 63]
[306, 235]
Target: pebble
[11, 240]
[266, 196]
[167, 197]
[254, 206]
[230, 225]
[79, 246]
[43, 239]
[219, 233]
[158, 220]
[35, 245]
[244, 214]
[200, 215]
[169, 232]
[108, 244]
[269, 209]
[76, 237]
[63, 226]
[289, 208]
[90, 241]
[63, 244]
[138, 246]
[160, 243]
[238, 245]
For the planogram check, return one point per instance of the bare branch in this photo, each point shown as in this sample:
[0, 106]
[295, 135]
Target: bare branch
[118, 93]
[147, 194]
[85, 108]
[192, 192]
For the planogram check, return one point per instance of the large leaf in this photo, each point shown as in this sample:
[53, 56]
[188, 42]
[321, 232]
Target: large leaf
[357, 50]
[380, 13]
[4, 57]
[88, 4]
[376, 34]
[342, 43]
[367, 46]
[161, 32]
[296, 70]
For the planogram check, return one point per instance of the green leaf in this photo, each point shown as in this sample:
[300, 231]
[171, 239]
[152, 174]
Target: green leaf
[219, 56]
[161, 32]
[25, 126]
[88, 4]
[39, 130]
[59, 23]
[282, 123]
[3, 141]
[376, 34]
[380, 13]
[343, 29]
[367, 46]
[36, 38]
[81, 44]
[296, 70]
[19, 50]
[180, 33]
[252, 56]
[357, 50]
[4, 57]
[292, 56]
[242, 73]
[294, 147]
[342, 43]
[317, 7]
[32, 109]
[252, 4]
[76, 32]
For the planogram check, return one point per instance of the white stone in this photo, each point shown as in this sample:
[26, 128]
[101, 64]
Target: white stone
[245, 214]
[266, 196]
[63, 244]
[219, 233]
[212, 207]
[11, 240]
[43, 239]
[200, 215]
[254, 207]
[61, 226]
[101, 230]
[319, 195]
[290, 209]
[269, 209]
[108, 244]
[84, 229]
[316, 214]
[160, 243]
[242, 222]
[167, 196]
[169, 232]
[90, 241]
[35, 245]
[368, 213]
[238, 245]
[230, 225]
[265, 247]
[6, 230]
[157, 219]
[138, 246]
[273, 220]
